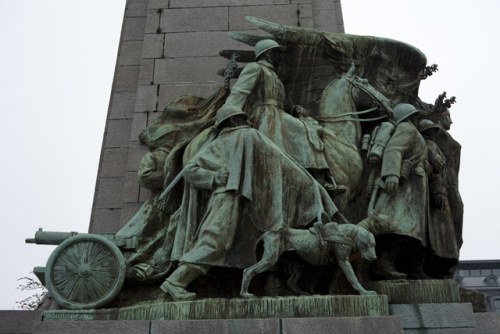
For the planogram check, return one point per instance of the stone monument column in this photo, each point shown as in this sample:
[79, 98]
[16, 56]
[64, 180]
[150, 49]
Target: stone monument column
[170, 48]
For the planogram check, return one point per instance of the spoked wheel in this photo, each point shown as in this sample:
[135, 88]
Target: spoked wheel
[85, 272]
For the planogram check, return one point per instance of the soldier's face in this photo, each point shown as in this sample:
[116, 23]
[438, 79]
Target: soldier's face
[446, 121]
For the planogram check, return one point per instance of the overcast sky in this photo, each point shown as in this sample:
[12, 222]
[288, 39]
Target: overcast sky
[56, 69]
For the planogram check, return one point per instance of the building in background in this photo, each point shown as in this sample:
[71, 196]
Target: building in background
[482, 276]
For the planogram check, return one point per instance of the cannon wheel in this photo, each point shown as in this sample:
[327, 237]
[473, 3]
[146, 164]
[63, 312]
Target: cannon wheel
[85, 272]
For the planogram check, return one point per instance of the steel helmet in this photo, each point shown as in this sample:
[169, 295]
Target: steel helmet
[263, 45]
[426, 124]
[402, 111]
[227, 111]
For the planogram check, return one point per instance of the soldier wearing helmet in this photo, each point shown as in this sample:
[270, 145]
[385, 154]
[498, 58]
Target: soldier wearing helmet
[268, 48]
[246, 179]
[445, 248]
[259, 92]
[404, 111]
[403, 198]
[229, 116]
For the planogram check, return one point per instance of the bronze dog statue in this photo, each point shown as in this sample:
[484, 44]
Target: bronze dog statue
[318, 246]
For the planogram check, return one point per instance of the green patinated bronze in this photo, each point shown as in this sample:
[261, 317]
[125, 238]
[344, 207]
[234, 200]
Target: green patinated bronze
[320, 171]
[267, 307]
[419, 291]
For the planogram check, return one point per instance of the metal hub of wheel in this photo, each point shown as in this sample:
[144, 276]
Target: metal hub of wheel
[85, 272]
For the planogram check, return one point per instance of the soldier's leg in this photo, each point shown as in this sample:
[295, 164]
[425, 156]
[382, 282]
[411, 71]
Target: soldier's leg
[175, 285]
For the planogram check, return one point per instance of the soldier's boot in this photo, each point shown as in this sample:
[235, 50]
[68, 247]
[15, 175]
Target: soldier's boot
[175, 285]
[416, 266]
[384, 267]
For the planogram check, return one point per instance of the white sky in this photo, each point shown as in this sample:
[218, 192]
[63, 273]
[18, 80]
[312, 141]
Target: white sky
[56, 67]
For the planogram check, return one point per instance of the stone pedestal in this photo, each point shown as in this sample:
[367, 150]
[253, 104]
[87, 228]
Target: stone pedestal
[439, 312]
[437, 309]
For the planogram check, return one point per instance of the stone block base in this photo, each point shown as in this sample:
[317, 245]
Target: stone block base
[337, 325]
[446, 318]
[449, 318]
[17, 321]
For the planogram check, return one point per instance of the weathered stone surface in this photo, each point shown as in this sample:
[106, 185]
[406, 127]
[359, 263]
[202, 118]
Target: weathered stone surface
[236, 326]
[14, 322]
[267, 307]
[153, 46]
[185, 70]
[146, 72]
[222, 3]
[258, 2]
[133, 29]
[305, 16]
[194, 19]
[169, 92]
[126, 79]
[419, 291]
[77, 327]
[110, 192]
[104, 220]
[117, 133]
[343, 325]
[136, 8]
[146, 98]
[198, 3]
[114, 162]
[130, 53]
[326, 14]
[449, 315]
[138, 125]
[153, 22]
[284, 14]
[207, 44]
[443, 331]
[339, 325]
[122, 105]
[156, 4]
[131, 188]
[487, 323]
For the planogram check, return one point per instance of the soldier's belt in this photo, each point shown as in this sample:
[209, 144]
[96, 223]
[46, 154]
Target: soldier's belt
[268, 102]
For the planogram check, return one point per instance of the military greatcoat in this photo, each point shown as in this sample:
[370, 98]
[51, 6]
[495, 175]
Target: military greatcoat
[260, 92]
[407, 209]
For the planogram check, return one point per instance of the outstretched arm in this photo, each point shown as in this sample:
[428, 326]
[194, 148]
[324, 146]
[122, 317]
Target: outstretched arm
[244, 85]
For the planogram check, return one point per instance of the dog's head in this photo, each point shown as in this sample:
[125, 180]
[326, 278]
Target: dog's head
[360, 239]
[365, 244]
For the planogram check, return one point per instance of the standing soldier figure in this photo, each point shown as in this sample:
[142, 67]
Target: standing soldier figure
[403, 198]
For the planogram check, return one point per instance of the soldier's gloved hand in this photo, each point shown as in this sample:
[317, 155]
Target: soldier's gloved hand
[440, 201]
[221, 176]
[391, 184]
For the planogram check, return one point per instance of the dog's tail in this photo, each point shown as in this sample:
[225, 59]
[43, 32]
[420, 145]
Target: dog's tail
[377, 223]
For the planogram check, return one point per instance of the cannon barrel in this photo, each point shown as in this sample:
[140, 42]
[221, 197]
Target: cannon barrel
[49, 237]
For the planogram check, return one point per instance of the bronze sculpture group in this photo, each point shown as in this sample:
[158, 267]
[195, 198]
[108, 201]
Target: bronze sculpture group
[248, 181]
